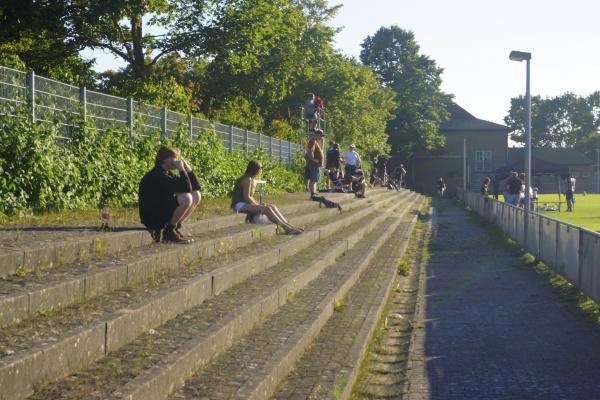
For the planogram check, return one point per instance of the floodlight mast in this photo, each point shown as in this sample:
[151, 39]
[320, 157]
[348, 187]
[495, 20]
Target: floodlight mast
[524, 56]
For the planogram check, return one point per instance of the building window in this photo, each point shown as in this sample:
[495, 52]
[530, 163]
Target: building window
[483, 160]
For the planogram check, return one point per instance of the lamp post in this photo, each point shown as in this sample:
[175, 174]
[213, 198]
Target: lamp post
[523, 56]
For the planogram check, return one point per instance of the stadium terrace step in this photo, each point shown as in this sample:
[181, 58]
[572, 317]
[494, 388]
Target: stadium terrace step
[254, 366]
[180, 344]
[75, 337]
[27, 250]
[56, 288]
[329, 369]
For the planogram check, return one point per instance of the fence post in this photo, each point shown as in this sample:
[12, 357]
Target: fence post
[259, 140]
[289, 153]
[246, 141]
[130, 115]
[83, 101]
[191, 126]
[280, 152]
[270, 147]
[163, 120]
[231, 138]
[31, 77]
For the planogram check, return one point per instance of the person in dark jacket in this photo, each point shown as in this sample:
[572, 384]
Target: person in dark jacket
[166, 199]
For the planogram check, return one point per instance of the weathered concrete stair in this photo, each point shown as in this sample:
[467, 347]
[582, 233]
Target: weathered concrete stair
[113, 328]
[253, 367]
[56, 288]
[329, 369]
[63, 246]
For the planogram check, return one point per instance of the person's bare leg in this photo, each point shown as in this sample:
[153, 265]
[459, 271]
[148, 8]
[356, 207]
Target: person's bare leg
[274, 218]
[196, 197]
[281, 217]
[312, 187]
[185, 202]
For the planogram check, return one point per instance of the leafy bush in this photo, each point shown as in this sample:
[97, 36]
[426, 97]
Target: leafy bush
[40, 172]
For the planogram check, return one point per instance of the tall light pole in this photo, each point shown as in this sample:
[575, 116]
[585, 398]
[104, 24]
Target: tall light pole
[523, 56]
[597, 170]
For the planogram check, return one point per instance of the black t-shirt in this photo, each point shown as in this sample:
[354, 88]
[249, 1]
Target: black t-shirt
[156, 195]
[514, 185]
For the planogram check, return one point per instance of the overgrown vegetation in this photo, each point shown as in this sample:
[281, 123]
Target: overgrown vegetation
[39, 172]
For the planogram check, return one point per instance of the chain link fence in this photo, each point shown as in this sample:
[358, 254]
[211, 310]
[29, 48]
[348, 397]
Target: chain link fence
[47, 100]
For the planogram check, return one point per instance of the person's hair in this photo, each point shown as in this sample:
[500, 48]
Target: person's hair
[486, 180]
[165, 152]
[253, 168]
[310, 95]
[514, 173]
[318, 132]
[522, 176]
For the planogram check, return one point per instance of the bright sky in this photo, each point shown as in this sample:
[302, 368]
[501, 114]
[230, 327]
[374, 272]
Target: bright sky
[471, 40]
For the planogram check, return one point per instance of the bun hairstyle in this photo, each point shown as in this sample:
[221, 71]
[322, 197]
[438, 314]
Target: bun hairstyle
[165, 152]
[253, 168]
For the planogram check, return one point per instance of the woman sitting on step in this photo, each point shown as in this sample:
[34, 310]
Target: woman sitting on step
[242, 199]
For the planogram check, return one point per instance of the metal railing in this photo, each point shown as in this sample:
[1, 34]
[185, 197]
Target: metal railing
[47, 100]
[570, 250]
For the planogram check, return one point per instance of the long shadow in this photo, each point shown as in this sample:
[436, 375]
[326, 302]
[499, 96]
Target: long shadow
[71, 229]
[495, 329]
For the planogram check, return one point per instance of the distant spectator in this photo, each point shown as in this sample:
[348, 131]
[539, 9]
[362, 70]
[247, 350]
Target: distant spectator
[382, 169]
[400, 175]
[352, 160]
[570, 194]
[484, 186]
[358, 183]
[242, 199]
[319, 110]
[166, 200]
[513, 188]
[333, 160]
[310, 111]
[314, 160]
[441, 187]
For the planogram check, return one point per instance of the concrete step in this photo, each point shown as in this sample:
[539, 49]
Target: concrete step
[48, 348]
[204, 331]
[26, 250]
[53, 289]
[329, 369]
[254, 366]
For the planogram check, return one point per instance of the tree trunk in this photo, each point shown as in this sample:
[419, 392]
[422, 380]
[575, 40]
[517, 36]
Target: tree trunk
[139, 65]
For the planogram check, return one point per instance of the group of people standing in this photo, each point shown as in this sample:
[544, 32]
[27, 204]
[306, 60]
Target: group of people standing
[316, 161]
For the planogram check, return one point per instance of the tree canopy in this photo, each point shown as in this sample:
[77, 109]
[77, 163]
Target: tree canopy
[394, 55]
[245, 62]
[567, 120]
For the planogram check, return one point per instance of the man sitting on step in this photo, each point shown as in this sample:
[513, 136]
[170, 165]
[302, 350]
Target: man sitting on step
[166, 200]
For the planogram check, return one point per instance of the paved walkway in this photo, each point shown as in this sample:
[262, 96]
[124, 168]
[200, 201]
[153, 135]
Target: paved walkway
[491, 328]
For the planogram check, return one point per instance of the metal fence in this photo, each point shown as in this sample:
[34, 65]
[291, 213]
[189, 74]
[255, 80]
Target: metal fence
[570, 250]
[47, 100]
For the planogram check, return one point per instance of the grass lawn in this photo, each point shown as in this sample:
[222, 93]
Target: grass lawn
[586, 214]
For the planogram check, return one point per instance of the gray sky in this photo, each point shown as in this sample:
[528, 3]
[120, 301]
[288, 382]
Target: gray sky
[471, 40]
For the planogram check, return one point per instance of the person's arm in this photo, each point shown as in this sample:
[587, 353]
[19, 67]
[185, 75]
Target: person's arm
[193, 179]
[247, 191]
[175, 184]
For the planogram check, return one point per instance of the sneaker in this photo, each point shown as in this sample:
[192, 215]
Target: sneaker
[169, 235]
[178, 231]
[156, 235]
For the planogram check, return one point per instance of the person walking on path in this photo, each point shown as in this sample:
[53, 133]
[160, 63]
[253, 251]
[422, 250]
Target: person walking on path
[491, 327]
[166, 200]
[441, 187]
[570, 194]
[242, 199]
[314, 161]
[485, 186]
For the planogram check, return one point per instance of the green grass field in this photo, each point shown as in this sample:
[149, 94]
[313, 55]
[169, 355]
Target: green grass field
[586, 214]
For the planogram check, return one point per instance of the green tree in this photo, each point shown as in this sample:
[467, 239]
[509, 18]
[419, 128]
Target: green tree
[393, 53]
[567, 120]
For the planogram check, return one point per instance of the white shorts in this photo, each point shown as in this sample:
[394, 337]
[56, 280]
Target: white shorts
[238, 206]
